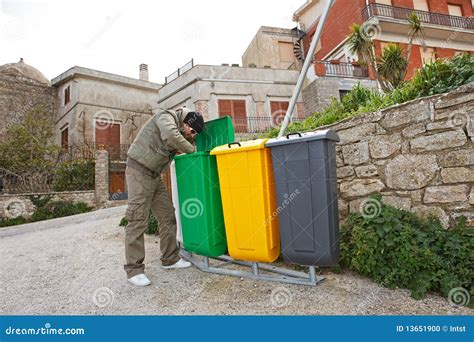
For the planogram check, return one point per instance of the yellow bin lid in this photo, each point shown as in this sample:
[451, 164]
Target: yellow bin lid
[240, 146]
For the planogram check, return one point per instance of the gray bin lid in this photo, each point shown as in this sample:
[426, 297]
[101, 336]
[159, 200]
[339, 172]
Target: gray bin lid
[293, 138]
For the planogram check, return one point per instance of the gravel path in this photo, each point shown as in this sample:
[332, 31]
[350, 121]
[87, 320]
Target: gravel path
[74, 266]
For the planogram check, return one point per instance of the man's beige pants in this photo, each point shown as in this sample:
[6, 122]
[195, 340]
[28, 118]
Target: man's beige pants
[144, 193]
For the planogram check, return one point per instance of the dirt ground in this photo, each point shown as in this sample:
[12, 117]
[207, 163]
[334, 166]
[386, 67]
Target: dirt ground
[74, 266]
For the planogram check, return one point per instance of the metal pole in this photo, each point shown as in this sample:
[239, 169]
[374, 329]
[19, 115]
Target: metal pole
[306, 65]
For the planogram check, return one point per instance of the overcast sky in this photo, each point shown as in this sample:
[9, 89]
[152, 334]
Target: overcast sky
[116, 36]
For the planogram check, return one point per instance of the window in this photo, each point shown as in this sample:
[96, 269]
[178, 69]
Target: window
[67, 95]
[427, 55]
[278, 109]
[343, 92]
[455, 10]
[237, 112]
[107, 136]
[286, 52]
[65, 138]
[421, 5]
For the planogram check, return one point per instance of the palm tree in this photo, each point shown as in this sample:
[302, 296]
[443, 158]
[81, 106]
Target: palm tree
[392, 65]
[394, 72]
[363, 47]
[415, 31]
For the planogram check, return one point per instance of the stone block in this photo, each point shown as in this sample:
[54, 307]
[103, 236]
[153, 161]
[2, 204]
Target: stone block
[405, 115]
[439, 141]
[356, 154]
[383, 146]
[446, 194]
[361, 187]
[366, 171]
[457, 175]
[411, 172]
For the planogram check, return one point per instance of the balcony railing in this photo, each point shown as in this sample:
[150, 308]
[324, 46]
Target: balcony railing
[257, 124]
[188, 66]
[381, 10]
[324, 68]
[87, 151]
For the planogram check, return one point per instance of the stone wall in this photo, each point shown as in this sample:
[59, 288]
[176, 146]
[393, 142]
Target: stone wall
[19, 95]
[101, 176]
[12, 206]
[419, 156]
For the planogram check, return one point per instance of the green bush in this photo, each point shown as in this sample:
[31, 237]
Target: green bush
[123, 222]
[6, 222]
[152, 227]
[440, 76]
[398, 249]
[55, 209]
[75, 176]
[46, 209]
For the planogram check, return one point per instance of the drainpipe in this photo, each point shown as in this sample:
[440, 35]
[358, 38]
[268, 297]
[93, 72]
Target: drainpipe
[306, 66]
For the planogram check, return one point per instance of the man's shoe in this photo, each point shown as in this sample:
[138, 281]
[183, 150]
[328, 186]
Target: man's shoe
[180, 264]
[140, 280]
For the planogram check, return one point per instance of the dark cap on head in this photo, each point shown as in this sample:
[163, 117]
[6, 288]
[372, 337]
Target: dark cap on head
[195, 121]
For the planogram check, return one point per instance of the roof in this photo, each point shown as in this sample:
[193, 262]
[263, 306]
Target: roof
[25, 70]
[104, 76]
[300, 11]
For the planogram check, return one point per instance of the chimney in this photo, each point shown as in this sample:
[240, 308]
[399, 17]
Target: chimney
[143, 72]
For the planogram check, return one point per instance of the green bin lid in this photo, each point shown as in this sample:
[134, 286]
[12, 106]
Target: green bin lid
[216, 132]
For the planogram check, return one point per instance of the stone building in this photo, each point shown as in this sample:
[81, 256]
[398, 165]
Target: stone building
[22, 89]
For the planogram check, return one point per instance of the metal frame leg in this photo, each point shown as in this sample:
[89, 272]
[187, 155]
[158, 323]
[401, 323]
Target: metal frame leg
[259, 271]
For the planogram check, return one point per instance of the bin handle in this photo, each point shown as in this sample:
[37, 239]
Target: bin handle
[289, 135]
[234, 143]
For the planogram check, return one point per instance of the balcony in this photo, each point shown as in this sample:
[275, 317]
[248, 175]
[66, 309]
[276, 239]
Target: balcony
[257, 124]
[401, 13]
[340, 69]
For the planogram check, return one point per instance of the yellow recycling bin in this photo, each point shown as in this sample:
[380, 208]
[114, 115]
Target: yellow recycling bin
[248, 200]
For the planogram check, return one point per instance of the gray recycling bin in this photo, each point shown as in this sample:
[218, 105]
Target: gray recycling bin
[304, 166]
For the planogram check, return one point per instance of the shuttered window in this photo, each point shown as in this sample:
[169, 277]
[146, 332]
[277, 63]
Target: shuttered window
[107, 136]
[65, 138]
[67, 95]
[237, 112]
[278, 109]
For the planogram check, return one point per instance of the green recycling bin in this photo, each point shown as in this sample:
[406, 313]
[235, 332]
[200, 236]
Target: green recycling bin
[200, 203]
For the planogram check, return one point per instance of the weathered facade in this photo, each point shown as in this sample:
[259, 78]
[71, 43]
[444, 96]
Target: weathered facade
[86, 97]
[272, 47]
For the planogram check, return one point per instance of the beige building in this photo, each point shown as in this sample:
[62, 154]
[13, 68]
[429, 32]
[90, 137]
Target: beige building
[272, 47]
[255, 98]
[103, 108]
[99, 110]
